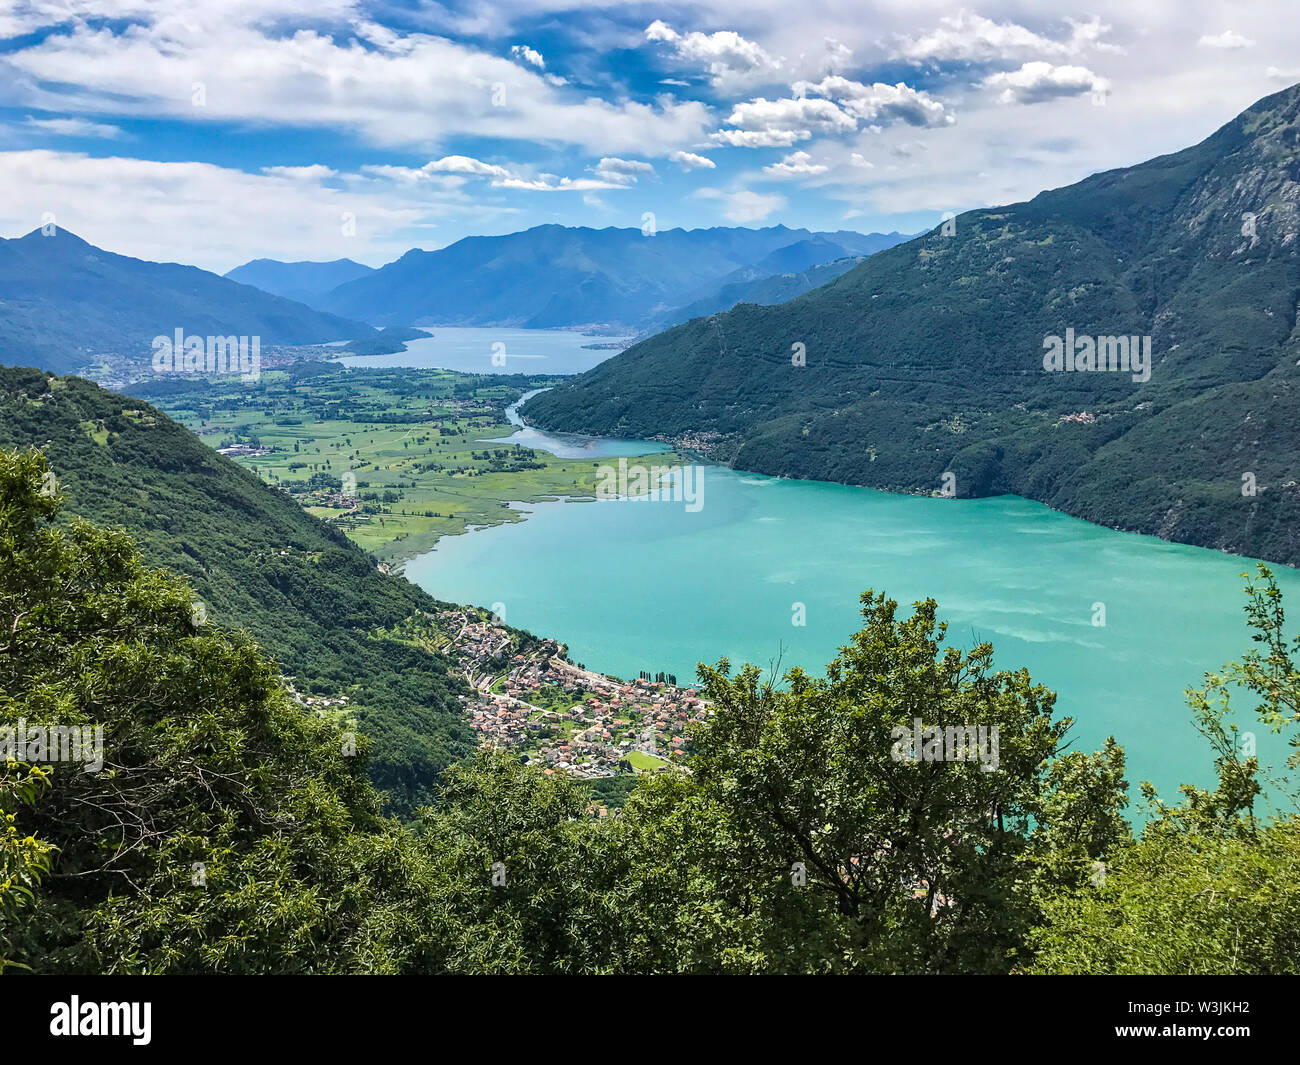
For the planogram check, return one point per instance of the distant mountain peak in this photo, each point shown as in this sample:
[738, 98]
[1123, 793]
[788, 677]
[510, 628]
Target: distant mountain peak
[55, 233]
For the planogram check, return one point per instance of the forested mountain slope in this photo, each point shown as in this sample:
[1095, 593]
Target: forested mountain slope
[63, 301]
[928, 358]
[313, 600]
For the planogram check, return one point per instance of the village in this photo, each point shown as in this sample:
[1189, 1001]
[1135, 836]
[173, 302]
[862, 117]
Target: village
[561, 716]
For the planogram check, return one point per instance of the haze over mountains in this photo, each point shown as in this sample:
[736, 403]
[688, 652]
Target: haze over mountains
[63, 301]
[554, 276]
[928, 358]
[305, 282]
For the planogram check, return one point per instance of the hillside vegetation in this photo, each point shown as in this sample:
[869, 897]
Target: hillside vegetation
[227, 830]
[64, 301]
[258, 561]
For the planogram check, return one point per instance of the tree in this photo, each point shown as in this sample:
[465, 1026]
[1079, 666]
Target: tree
[822, 847]
[227, 831]
[1207, 888]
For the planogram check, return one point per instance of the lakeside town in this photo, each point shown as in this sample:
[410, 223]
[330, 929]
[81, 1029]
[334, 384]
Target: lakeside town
[528, 697]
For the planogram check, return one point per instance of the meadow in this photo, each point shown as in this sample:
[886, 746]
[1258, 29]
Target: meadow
[396, 458]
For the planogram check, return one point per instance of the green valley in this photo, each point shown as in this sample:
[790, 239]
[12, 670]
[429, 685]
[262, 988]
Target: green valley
[395, 458]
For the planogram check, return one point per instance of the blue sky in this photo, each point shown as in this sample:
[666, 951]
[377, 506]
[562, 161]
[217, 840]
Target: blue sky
[218, 131]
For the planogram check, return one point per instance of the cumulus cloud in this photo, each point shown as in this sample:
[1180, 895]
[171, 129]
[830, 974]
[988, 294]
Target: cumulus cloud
[691, 161]
[1036, 82]
[839, 105]
[1228, 39]
[879, 102]
[528, 55]
[730, 59]
[764, 123]
[970, 37]
[464, 164]
[759, 138]
[796, 164]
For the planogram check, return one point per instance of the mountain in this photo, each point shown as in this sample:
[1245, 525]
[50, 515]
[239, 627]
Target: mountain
[553, 276]
[769, 289]
[304, 282]
[64, 301]
[928, 359]
[312, 599]
[814, 251]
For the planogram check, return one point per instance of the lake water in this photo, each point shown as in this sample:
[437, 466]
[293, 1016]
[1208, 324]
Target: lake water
[637, 584]
[471, 350]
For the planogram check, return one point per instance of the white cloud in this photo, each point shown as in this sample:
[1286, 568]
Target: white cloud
[621, 171]
[217, 217]
[1036, 82]
[1228, 39]
[974, 38]
[861, 162]
[528, 55]
[691, 161]
[793, 113]
[730, 59]
[839, 106]
[464, 164]
[314, 172]
[414, 90]
[796, 164]
[879, 102]
[759, 138]
[552, 183]
[75, 127]
[838, 56]
[451, 171]
[743, 205]
[764, 123]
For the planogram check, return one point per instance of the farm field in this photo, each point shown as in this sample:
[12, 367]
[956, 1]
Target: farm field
[397, 458]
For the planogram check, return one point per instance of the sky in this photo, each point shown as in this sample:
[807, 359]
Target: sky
[212, 132]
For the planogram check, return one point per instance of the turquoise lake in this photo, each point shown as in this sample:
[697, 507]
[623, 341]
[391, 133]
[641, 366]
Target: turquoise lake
[639, 584]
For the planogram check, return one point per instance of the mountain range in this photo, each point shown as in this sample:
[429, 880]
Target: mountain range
[555, 276]
[63, 302]
[931, 367]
